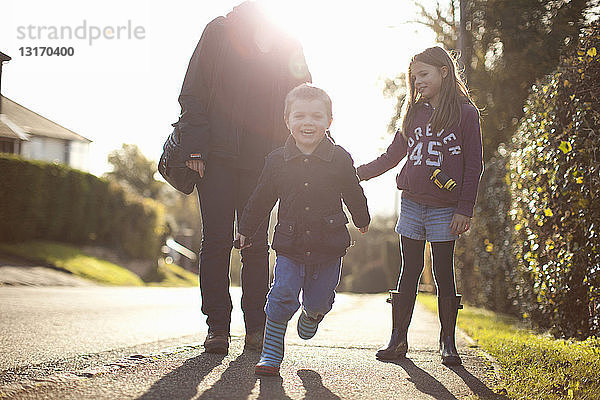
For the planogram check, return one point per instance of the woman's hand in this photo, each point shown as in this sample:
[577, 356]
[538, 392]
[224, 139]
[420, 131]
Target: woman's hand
[242, 240]
[460, 224]
[196, 165]
[364, 229]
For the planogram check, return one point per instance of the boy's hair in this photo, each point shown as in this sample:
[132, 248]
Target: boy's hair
[307, 92]
[453, 91]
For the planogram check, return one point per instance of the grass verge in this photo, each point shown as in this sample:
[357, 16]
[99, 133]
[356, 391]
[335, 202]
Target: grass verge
[74, 261]
[534, 366]
[172, 275]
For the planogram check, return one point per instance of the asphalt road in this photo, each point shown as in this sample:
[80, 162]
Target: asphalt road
[145, 343]
[49, 323]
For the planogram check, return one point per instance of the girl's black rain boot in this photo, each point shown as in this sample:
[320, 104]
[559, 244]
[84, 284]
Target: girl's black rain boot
[402, 309]
[448, 310]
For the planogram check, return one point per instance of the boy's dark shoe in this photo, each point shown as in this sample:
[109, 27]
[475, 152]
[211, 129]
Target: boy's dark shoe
[254, 341]
[217, 342]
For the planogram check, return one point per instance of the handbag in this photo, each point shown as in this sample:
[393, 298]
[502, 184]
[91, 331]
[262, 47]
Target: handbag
[172, 164]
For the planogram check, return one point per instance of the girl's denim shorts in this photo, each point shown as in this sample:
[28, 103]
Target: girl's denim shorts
[420, 222]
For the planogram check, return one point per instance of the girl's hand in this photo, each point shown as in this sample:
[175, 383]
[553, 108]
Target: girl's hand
[460, 224]
[196, 165]
[364, 229]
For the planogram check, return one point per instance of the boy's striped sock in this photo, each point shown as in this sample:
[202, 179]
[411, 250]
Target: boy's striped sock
[272, 352]
[307, 326]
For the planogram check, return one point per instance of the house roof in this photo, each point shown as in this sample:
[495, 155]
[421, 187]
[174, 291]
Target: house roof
[11, 130]
[32, 123]
[5, 131]
[4, 57]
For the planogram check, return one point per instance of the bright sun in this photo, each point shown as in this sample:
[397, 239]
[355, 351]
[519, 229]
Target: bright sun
[328, 27]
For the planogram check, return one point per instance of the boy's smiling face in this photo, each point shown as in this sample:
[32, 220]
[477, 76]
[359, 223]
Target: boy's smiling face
[308, 121]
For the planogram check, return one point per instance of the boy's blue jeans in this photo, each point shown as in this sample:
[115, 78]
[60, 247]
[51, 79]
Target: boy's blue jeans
[317, 283]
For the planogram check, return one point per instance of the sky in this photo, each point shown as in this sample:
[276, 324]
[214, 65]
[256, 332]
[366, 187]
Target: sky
[122, 82]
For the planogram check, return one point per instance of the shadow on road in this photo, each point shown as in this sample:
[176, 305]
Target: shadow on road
[237, 381]
[427, 384]
[478, 387]
[182, 383]
[313, 384]
[424, 382]
[271, 388]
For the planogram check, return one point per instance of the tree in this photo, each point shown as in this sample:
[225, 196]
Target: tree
[510, 44]
[134, 171]
[395, 88]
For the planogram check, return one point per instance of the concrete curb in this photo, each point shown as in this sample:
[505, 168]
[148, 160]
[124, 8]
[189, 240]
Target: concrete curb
[473, 344]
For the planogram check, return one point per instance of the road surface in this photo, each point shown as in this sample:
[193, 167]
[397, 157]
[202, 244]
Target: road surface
[145, 343]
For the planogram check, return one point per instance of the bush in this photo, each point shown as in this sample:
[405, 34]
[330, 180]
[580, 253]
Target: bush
[53, 202]
[372, 264]
[485, 264]
[555, 185]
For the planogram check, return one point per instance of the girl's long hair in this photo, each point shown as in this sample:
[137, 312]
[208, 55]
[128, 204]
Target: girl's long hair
[453, 92]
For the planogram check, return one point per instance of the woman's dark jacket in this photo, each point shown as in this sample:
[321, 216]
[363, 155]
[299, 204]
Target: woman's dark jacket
[233, 94]
[311, 226]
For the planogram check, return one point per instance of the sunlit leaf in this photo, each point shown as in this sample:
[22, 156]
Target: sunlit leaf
[591, 52]
[565, 147]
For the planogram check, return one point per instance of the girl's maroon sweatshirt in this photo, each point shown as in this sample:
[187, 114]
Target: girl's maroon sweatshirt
[456, 151]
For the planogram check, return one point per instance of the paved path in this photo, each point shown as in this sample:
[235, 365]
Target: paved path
[338, 363]
[38, 276]
[18, 272]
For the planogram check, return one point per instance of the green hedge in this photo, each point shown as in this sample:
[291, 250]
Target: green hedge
[555, 186]
[53, 202]
[372, 264]
[485, 263]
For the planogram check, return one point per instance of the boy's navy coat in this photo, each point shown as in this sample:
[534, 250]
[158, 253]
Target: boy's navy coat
[311, 226]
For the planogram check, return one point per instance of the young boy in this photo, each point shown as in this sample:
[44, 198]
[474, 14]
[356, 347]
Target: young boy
[309, 176]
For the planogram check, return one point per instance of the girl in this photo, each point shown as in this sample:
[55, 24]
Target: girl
[441, 138]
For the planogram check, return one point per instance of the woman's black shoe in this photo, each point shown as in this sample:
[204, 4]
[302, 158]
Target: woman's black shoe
[217, 342]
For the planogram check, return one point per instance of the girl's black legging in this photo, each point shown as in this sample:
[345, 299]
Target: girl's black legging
[412, 252]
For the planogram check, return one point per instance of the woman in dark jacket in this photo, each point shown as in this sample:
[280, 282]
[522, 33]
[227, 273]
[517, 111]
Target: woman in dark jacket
[231, 118]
